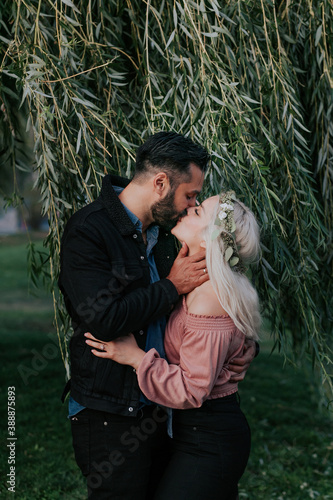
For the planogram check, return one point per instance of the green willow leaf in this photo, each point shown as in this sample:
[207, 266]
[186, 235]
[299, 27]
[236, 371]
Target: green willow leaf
[228, 253]
[249, 80]
[71, 4]
[233, 261]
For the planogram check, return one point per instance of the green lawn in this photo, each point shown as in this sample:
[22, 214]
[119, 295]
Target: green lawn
[292, 451]
[30, 361]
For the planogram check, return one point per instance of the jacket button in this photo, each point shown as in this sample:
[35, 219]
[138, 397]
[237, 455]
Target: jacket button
[166, 234]
[141, 332]
[130, 409]
[142, 257]
[135, 236]
[168, 256]
[105, 423]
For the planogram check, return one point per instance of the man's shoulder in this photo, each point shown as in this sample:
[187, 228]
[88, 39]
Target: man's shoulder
[90, 212]
[89, 223]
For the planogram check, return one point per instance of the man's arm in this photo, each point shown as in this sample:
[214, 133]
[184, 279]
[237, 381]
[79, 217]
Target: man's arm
[97, 294]
[241, 364]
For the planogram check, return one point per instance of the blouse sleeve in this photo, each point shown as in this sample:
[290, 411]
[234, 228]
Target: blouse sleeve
[188, 384]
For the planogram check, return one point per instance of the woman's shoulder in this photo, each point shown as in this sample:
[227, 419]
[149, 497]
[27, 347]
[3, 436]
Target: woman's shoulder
[203, 301]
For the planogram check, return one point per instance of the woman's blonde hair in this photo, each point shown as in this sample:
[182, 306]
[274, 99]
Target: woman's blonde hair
[235, 292]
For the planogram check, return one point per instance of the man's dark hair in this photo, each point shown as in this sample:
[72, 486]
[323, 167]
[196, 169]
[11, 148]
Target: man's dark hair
[171, 153]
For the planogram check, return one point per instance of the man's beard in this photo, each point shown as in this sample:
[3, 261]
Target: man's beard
[164, 213]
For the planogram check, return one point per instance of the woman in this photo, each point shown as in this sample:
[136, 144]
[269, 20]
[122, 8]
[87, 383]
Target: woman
[205, 332]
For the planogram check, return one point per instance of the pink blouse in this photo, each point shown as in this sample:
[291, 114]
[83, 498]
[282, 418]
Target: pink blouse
[198, 349]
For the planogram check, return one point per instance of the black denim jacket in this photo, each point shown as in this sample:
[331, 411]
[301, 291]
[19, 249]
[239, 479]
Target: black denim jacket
[105, 281]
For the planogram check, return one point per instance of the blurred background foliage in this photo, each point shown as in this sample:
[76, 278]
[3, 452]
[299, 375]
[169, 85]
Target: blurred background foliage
[87, 81]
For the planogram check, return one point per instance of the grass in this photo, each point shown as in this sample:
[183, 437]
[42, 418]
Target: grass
[292, 441]
[30, 361]
[292, 451]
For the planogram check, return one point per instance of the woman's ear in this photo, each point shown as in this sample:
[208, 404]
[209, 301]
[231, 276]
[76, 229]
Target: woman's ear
[203, 244]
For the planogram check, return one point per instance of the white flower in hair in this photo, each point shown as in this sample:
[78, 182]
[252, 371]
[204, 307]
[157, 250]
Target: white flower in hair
[225, 221]
[226, 206]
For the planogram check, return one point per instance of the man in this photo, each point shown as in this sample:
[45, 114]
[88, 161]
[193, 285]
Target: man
[120, 274]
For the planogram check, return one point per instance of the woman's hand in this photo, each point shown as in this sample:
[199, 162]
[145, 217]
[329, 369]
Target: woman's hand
[123, 350]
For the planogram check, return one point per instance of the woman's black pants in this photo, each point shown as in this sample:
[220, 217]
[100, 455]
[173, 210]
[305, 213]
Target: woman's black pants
[210, 451]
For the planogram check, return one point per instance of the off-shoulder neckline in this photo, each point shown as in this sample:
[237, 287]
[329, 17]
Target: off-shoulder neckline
[201, 315]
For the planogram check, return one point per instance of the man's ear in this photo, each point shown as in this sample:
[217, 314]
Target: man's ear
[161, 183]
[203, 244]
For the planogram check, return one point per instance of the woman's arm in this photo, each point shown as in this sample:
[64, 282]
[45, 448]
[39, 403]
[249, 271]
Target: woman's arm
[182, 386]
[123, 350]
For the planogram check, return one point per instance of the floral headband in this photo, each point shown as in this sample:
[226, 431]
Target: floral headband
[226, 229]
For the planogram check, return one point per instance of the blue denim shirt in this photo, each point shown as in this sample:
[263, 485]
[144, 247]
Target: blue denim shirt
[155, 330]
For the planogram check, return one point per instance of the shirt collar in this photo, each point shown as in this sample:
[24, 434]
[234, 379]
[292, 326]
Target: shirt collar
[134, 219]
[152, 231]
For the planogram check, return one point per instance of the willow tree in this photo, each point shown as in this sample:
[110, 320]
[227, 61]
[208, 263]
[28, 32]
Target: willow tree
[251, 80]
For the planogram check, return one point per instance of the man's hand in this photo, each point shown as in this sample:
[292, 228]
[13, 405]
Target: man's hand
[188, 272]
[240, 365]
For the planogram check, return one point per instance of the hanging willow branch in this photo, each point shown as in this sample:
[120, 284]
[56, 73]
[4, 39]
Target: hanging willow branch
[250, 80]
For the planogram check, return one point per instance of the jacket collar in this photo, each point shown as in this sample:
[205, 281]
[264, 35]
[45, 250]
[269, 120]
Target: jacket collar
[165, 251]
[113, 205]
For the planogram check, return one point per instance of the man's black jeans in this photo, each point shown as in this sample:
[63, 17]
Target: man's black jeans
[122, 458]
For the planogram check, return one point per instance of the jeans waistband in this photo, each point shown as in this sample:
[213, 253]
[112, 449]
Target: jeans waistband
[231, 398]
[144, 411]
